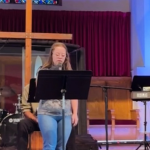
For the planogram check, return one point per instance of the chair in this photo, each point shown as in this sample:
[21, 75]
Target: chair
[111, 121]
[115, 122]
[35, 141]
[134, 121]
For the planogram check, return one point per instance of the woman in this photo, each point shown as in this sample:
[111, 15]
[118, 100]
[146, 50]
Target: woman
[50, 111]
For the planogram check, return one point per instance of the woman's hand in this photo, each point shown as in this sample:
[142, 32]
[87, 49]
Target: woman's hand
[74, 119]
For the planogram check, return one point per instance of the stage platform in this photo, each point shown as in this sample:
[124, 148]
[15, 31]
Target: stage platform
[118, 142]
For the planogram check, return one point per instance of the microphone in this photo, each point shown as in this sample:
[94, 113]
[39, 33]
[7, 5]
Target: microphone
[56, 67]
[60, 66]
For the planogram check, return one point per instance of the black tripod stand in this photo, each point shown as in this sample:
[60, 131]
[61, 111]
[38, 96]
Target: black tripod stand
[145, 143]
[141, 94]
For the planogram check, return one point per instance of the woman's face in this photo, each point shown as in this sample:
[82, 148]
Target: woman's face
[59, 55]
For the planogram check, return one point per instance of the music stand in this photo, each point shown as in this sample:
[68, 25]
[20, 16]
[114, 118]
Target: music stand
[62, 85]
[137, 85]
[32, 90]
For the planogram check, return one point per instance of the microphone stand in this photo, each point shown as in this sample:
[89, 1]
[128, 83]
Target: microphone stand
[105, 90]
[63, 91]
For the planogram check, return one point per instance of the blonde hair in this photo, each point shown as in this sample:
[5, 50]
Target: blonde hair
[66, 65]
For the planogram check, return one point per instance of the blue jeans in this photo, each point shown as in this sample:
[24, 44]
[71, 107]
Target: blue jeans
[51, 130]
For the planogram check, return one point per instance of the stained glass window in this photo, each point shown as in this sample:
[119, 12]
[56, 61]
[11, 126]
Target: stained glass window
[52, 2]
[4, 1]
[46, 2]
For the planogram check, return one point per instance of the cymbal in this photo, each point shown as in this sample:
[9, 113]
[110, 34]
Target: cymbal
[6, 92]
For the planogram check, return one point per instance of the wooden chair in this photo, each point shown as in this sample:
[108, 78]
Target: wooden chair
[114, 122]
[133, 121]
[136, 117]
[35, 141]
[111, 121]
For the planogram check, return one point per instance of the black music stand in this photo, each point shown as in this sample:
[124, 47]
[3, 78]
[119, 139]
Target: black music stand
[32, 91]
[62, 85]
[137, 85]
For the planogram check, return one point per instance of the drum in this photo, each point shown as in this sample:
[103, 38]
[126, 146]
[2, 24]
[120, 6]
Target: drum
[9, 129]
[3, 114]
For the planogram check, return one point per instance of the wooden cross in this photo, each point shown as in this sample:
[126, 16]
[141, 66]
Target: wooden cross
[28, 36]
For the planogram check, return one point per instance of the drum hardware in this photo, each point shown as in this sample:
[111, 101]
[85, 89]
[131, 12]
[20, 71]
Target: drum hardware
[9, 129]
[18, 105]
[17, 110]
[3, 114]
[8, 122]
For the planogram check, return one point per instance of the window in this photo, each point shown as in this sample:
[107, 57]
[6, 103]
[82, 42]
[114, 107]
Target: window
[42, 2]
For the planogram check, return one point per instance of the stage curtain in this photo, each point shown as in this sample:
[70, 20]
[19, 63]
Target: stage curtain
[104, 35]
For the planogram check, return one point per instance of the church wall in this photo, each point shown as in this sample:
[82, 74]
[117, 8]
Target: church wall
[80, 5]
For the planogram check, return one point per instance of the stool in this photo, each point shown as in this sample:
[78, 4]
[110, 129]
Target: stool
[35, 141]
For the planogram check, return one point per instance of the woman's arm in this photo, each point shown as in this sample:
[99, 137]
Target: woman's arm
[74, 106]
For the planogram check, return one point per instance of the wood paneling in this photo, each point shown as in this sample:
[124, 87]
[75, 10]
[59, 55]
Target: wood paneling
[118, 100]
